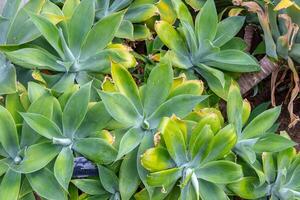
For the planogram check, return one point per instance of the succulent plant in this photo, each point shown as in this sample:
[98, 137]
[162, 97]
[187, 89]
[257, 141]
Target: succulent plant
[195, 155]
[281, 170]
[77, 52]
[206, 50]
[133, 26]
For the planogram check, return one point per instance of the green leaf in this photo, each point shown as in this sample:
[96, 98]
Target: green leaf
[182, 12]
[175, 141]
[15, 105]
[77, 106]
[101, 34]
[235, 107]
[126, 85]
[10, 10]
[42, 125]
[89, 186]
[158, 87]
[130, 141]
[233, 61]
[39, 58]
[221, 144]
[35, 91]
[157, 159]
[198, 143]
[248, 188]
[164, 178]
[9, 136]
[120, 108]
[63, 167]
[261, 123]
[179, 105]
[37, 157]
[108, 179]
[211, 191]
[48, 30]
[95, 149]
[95, 120]
[8, 77]
[45, 185]
[207, 17]
[128, 175]
[170, 37]
[140, 13]
[69, 7]
[269, 167]
[80, 24]
[220, 172]
[227, 29]
[10, 185]
[44, 106]
[216, 79]
[273, 143]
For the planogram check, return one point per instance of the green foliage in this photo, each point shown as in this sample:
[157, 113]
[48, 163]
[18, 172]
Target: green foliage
[192, 46]
[150, 130]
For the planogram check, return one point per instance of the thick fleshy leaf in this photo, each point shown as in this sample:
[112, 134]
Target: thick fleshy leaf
[101, 34]
[273, 143]
[165, 177]
[216, 80]
[76, 106]
[69, 7]
[233, 61]
[260, 124]
[194, 87]
[42, 125]
[37, 157]
[89, 186]
[63, 167]
[120, 108]
[95, 120]
[200, 140]
[10, 185]
[248, 188]
[36, 58]
[44, 106]
[221, 144]
[48, 30]
[35, 91]
[8, 78]
[269, 166]
[220, 172]
[207, 17]
[171, 37]
[130, 141]
[80, 24]
[158, 87]
[140, 13]
[235, 107]
[182, 11]
[210, 191]
[95, 149]
[227, 29]
[179, 105]
[146, 143]
[157, 159]
[108, 179]
[126, 85]
[45, 185]
[8, 133]
[128, 175]
[175, 141]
